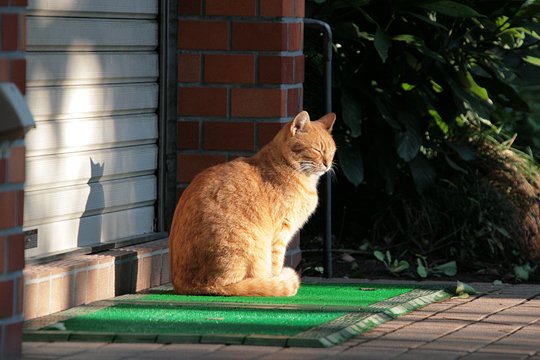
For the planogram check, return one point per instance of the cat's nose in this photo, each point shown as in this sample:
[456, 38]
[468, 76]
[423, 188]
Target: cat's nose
[326, 163]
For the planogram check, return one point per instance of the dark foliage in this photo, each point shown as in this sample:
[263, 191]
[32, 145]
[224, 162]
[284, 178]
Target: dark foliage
[418, 86]
[411, 76]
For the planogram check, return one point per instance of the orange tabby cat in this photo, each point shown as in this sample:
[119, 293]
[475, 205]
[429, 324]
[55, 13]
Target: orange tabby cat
[232, 224]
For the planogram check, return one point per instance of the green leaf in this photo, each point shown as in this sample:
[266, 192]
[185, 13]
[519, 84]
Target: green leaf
[502, 93]
[379, 255]
[448, 269]
[386, 114]
[408, 144]
[352, 164]
[422, 172]
[436, 87]
[428, 20]
[365, 14]
[462, 288]
[402, 265]
[532, 60]
[450, 8]
[419, 44]
[407, 87]
[443, 126]
[421, 269]
[351, 31]
[522, 272]
[475, 88]
[382, 43]
[351, 114]
[528, 9]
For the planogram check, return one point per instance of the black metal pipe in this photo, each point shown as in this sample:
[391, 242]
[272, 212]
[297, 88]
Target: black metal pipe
[327, 50]
[166, 189]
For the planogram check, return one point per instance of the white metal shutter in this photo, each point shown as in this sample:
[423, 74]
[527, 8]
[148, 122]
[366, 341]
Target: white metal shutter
[92, 72]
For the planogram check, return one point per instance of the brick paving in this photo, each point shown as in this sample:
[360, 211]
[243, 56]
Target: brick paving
[501, 323]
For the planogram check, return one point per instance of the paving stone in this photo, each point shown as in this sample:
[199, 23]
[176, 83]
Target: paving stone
[476, 310]
[302, 353]
[533, 303]
[518, 315]
[368, 352]
[245, 352]
[419, 333]
[525, 340]
[372, 334]
[89, 356]
[425, 312]
[124, 349]
[180, 351]
[58, 349]
[416, 354]
[494, 356]
[495, 300]
[488, 287]
[507, 348]
[394, 342]
[522, 291]
[472, 337]
[449, 324]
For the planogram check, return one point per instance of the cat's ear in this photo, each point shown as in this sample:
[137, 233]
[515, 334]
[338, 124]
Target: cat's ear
[299, 123]
[328, 121]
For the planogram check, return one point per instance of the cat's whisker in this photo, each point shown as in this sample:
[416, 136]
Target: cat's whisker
[308, 167]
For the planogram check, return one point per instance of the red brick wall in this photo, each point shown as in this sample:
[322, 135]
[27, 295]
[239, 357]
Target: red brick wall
[62, 284]
[240, 75]
[12, 69]
[13, 42]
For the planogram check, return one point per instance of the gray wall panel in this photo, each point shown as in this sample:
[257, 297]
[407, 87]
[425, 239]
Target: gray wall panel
[92, 86]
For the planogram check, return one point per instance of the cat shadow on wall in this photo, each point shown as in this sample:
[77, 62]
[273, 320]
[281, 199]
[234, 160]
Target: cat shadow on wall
[90, 223]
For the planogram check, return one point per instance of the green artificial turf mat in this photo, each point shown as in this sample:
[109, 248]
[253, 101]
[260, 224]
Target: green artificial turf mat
[127, 318]
[319, 315]
[308, 294]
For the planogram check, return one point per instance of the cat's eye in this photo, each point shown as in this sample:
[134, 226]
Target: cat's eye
[318, 150]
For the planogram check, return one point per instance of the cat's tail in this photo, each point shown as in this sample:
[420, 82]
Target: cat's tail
[285, 284]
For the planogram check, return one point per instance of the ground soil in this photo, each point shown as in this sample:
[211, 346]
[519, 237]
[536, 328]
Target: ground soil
[363, 267]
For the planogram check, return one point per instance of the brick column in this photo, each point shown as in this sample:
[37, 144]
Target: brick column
[241, 70]
[12, 162]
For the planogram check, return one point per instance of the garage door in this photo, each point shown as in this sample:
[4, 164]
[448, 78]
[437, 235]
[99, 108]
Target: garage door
[92, 86]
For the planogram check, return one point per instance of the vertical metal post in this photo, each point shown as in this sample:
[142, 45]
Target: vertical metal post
[327, 50]
[166, 194]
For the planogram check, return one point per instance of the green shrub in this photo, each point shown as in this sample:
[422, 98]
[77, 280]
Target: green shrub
[419, 88]
[411, 76]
